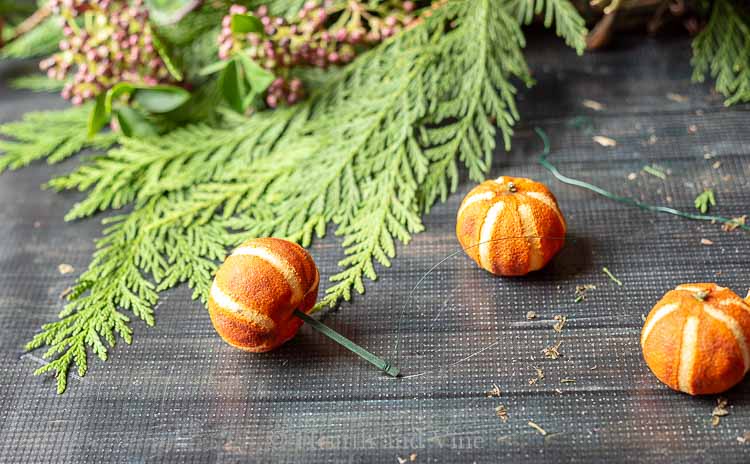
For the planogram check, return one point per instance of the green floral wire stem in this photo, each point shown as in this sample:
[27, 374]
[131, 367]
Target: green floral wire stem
[378, 362]
[625, 200]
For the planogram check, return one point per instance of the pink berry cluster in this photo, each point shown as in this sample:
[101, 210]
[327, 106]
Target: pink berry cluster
[114, 44]
[75, 7]
[324, 33]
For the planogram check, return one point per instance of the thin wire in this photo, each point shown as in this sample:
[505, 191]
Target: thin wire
[625, 200]
[424, 276]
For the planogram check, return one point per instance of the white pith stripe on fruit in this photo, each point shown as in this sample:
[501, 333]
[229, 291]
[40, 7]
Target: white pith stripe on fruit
[280, 264]
[485, 235]
[500, 180]
[226, 302]
[528, 225]
[734, 327]
[658, 315]
[735, 302]
[687, 354]
[690, 288]
[549, 202]
[473, 199]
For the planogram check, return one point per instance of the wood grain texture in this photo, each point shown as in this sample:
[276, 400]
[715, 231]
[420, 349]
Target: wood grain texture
[180, 394]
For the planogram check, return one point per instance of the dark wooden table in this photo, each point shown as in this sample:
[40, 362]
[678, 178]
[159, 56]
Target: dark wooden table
[180, 394]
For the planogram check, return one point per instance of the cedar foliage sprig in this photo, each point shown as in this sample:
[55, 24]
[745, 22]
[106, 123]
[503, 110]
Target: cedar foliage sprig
[369, 152]
[722, 50]
[53, 135]
[568, 25]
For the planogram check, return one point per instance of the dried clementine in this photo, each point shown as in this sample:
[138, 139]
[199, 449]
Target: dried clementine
[695, 339]
[510, 226]
[256, 291]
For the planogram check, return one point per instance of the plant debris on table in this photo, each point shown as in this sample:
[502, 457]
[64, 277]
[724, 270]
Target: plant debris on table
[582, 290]
[539, 376]
[719, 411]
[502, 412]
[552, 352]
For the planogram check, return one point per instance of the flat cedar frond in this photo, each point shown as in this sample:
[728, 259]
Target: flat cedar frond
[722, 50]
[370, 152]
[64, 134]
[568, 23]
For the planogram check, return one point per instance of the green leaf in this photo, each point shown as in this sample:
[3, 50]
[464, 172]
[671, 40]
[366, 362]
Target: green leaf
[232, 86]
[165, 56]
[245, 23]
[166, 12]
[258, 78]
[119, 89]
[98, 117]
[161, 98]
[212, 68]
[133, 123]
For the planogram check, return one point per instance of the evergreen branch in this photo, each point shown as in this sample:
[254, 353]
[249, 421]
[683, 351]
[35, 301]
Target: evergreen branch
[722, 50]
[370, 153]
[63, 135]
[568, 22]
[140, 254]
[141, 169]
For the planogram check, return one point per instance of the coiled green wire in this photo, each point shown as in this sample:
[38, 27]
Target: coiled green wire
[625, 200]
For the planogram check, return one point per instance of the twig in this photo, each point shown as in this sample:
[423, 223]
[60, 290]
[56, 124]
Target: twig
[536, 427]
[31, 22]
[612, 276]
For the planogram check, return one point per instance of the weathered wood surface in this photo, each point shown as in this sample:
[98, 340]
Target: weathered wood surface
[180, 394]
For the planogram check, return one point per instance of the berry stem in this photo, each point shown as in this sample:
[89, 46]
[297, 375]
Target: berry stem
[378, 362]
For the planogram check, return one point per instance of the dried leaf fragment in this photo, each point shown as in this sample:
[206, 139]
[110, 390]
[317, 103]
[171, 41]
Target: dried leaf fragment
[536, 427]
[721, 407]
[592, 105]
[552, 352]
[604, 141]
[719, 411]
[655, 171]
[539, 376]
[676, 97]
[65, 269]
[531, 315]
[734, 223]
[561, 320]
[581, 291]
[502, 412]
[493, 392]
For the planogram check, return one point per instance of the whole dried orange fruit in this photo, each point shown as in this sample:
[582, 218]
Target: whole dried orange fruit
[695, 339]
[510, 226]
[257, 289]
